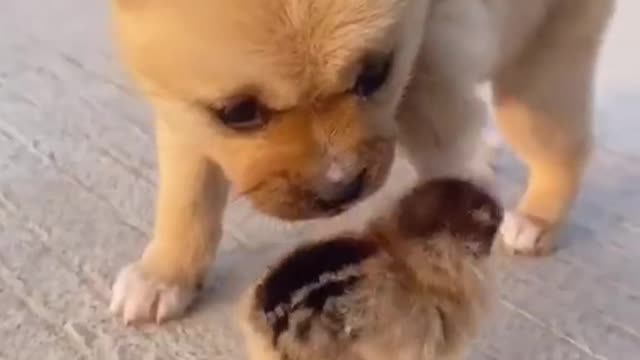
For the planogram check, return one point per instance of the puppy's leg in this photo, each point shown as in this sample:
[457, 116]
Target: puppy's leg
[441, 124]
[192, 195]
[544, 109]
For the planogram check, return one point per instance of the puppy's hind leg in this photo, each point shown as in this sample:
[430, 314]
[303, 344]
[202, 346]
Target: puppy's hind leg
[544, 110]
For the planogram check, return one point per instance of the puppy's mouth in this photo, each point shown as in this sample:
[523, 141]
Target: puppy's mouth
[345, 195]
[292, 196]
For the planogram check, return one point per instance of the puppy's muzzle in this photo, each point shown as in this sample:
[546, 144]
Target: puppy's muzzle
[338, 196]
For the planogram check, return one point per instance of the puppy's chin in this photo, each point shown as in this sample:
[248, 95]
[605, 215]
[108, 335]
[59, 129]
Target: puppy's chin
[289, 195]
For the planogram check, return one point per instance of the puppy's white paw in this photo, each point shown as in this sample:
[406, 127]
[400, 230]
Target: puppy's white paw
[523, 235]
[138, 298]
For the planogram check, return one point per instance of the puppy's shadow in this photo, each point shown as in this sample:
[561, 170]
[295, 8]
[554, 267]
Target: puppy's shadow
[235, 271]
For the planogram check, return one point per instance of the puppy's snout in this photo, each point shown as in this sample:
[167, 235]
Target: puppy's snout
[338, 195]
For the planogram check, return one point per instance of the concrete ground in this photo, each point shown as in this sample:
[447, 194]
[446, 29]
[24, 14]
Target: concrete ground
[76, 192]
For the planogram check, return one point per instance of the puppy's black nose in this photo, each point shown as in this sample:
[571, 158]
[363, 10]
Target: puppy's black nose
[339, 195]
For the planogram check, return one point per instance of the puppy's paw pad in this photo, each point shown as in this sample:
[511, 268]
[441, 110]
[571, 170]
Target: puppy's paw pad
[523, 235]
[137, 297]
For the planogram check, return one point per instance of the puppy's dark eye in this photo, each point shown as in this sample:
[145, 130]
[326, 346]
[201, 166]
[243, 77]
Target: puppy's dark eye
[245, 114]
[374, 74]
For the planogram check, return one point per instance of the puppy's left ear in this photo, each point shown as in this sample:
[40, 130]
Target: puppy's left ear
[452, 206]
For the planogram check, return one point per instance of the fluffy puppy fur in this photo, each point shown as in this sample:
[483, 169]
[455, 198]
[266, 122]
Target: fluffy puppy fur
[416, 285]
[298, 105]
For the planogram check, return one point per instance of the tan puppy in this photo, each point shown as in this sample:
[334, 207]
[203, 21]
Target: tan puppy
[299, 105]
[415, 287]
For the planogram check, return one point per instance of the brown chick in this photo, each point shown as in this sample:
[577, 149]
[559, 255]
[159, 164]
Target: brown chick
[414, 286]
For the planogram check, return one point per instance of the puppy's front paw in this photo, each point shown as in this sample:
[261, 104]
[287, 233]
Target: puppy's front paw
[523, 235]
[138, 297]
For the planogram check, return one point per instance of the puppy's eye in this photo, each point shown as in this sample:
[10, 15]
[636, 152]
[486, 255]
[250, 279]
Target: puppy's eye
[243, 115]
[373, 76]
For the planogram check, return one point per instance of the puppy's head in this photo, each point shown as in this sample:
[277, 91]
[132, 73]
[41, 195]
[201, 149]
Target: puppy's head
[295, 100]
[452, 214]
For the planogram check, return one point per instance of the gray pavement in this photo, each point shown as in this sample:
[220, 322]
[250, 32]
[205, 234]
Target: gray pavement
[77, 177]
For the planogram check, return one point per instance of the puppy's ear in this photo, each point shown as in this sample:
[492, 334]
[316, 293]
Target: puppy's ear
[451, 206]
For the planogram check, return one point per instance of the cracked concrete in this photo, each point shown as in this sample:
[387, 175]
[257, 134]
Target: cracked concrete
[77, 177]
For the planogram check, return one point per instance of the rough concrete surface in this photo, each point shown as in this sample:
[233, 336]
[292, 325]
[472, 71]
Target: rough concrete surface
[76, 195]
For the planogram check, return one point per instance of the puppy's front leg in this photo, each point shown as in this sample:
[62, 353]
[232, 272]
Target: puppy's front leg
[440, 128]
[545, 111]
[192, 195]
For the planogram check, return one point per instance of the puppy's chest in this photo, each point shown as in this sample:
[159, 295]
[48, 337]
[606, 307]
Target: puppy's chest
[474, 38]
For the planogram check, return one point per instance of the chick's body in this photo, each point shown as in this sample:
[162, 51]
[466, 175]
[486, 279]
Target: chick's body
[415, 286]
